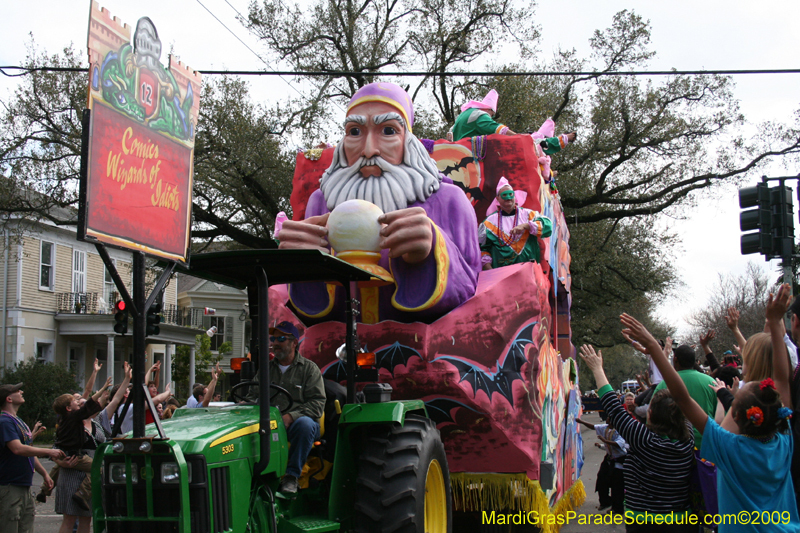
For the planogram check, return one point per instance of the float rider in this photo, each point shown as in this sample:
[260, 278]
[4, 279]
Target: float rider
[510, 234]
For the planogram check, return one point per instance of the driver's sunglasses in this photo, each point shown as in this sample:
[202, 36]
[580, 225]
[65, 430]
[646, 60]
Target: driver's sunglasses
[282, 338]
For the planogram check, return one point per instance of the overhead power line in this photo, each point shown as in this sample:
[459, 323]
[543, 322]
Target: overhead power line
[338, 73]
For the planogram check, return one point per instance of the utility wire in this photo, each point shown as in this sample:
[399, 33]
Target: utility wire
[241, 17]
[246, 45]
[336, 73]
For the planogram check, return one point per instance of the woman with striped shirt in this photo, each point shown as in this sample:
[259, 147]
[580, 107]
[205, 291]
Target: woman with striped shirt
[660, 459]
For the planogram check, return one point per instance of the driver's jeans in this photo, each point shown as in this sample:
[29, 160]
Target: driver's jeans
[302, 434]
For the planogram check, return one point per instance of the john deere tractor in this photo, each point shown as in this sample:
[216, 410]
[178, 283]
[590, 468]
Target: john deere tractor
[379, 466]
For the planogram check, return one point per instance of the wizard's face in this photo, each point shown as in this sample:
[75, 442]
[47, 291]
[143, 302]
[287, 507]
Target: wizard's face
[374, 129]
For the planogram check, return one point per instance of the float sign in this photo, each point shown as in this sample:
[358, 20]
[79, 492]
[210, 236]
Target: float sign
[137, 192]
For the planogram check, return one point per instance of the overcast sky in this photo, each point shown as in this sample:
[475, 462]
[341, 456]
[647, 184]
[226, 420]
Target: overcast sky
[687, 35]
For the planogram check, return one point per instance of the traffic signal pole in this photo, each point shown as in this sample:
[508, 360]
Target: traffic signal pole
[139, 344]
[773, 218]
[138, 309]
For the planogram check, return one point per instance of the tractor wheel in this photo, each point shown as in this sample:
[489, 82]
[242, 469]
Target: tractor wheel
[403, 485]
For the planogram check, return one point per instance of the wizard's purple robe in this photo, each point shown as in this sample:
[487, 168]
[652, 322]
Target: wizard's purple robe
[422, 292]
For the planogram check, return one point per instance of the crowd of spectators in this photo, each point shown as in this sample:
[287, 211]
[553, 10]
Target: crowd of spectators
[704, 437]
[85, 420]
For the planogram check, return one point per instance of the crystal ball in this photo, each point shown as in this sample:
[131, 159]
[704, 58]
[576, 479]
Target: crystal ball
[353, 225]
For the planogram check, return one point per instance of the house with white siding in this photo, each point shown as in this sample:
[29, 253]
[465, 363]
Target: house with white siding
[57, 302]
[230, 316]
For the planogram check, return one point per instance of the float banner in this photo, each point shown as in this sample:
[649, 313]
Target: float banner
[137, 192]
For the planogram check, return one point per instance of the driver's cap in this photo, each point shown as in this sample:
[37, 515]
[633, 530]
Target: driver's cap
[285, 327]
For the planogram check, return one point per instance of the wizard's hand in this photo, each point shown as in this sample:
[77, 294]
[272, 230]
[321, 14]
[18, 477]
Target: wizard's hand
[407, 233]
[311, 233]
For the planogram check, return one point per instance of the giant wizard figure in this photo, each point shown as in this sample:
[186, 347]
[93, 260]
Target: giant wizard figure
[428, 240]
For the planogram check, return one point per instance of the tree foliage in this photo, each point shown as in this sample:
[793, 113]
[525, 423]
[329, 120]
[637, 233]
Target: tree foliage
[644, 148]
[243, 176]
[434, 36]
[43, 383]
[40, 140]
[747, 293]
[243, 169]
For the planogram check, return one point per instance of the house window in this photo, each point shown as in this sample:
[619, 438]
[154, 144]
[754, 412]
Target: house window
[224, 333]
[44, 352]
[109, 289]
[78, 271]
[46, 263]
[76, 361]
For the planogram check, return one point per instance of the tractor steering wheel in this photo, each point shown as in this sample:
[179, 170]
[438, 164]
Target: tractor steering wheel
[278, 390]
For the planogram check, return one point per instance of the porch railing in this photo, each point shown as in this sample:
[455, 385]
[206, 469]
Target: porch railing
[91, 303]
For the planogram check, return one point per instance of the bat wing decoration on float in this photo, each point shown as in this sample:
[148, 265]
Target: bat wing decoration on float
[507, 372]
[388, 358]
[440, 410]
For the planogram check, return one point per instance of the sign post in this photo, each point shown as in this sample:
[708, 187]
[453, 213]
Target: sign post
[136, 167]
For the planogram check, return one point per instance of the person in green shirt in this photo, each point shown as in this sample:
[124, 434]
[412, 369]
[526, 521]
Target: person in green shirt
[683, 360]
[477, 118]
[510, 234]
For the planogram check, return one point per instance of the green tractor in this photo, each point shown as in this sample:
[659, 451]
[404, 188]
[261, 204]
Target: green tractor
[218, 469]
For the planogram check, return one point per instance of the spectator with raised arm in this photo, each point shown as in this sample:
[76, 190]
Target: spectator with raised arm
[698, 383]
[661, 456]
[88, 390]
[753, 445]
[151, 378]
[215, 374]
[711, 360]
[732, 320]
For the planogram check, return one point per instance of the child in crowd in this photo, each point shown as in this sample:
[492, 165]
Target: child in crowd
[610, 477]
[752, 448]
[661, 457]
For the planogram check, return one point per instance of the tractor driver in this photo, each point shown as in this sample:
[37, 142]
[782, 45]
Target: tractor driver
[303, 380]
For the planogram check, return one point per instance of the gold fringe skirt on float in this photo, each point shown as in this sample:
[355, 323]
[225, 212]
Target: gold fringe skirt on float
[504, 494]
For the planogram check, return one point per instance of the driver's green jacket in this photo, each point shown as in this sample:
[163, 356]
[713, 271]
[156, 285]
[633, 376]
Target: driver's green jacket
[303, 380]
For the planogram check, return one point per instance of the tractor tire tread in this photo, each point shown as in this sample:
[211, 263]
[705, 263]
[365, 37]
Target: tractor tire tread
[392, 472]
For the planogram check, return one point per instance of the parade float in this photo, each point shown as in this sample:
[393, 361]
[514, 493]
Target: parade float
[497, 372]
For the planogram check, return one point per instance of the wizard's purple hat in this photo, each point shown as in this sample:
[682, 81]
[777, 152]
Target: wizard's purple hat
[388, 93]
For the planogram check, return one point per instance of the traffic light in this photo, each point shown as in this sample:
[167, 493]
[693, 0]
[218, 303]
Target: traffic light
[120, 318]
[773, 217]
[782, 221]
[759, 218]
[153, 319]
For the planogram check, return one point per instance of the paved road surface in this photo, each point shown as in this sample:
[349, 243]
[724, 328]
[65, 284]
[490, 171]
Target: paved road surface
[48, 522]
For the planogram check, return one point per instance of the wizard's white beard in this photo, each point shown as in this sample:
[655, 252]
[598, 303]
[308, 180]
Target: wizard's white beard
[415, 179]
